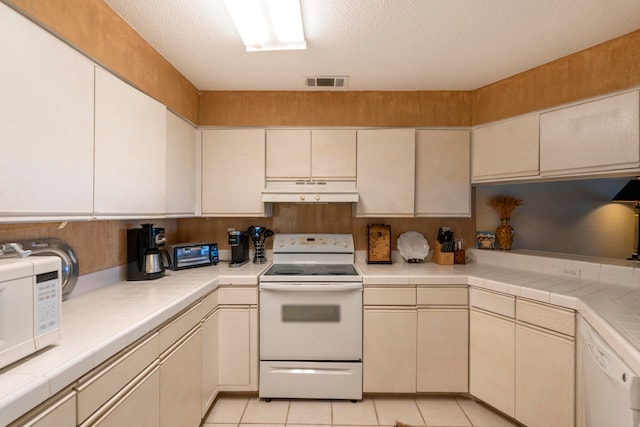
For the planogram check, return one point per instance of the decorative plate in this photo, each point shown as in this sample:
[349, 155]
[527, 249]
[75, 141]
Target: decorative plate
[413, 246]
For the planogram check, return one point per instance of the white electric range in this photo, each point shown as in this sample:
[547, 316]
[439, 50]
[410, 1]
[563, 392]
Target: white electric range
[311, 319]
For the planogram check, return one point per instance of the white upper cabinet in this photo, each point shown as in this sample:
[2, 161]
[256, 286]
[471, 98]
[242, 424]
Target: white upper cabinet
[288, 154]
[130, 150]
[46, 124]
[596, 136]
[386, 172]
[233, 168]
[181, 167]
[333, 154]
[328, 154]
[506, 150]
[442, 173]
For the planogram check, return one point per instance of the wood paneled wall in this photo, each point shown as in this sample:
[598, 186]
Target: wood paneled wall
[607, 67]
[97, 31]
[324, 108]
[98, 244]
[320, 218]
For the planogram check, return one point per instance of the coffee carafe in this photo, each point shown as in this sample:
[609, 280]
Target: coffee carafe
[145, 253]
[239, 242]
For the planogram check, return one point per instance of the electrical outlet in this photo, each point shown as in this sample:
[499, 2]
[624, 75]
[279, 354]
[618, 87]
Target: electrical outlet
[570, 272]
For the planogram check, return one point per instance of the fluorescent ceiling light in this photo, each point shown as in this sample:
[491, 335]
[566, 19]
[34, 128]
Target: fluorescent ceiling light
[268, 24]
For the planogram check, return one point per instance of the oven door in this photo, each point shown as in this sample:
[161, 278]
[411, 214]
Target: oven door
[311, 321]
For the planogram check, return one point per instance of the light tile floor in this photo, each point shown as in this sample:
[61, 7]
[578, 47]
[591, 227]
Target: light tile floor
[371, 411]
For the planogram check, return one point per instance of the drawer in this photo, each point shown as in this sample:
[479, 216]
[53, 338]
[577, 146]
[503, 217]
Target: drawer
[390, 296]
[180, 326]
[493, 302]
[237, 295]
[209, 303]
[95, 389]
[443, 296]
[546, 316]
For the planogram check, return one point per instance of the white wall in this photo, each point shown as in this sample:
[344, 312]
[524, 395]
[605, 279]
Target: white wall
[576, 217]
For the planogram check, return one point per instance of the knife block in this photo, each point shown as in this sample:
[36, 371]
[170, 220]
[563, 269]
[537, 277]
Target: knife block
[439, 257]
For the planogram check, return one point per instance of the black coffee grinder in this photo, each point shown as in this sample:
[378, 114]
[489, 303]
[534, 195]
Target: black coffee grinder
[239, 242]
[145, 253]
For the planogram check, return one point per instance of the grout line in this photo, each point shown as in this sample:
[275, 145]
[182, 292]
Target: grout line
[463, 411]
[424, 419]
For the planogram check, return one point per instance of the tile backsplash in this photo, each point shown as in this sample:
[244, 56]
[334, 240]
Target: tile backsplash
[606, 270]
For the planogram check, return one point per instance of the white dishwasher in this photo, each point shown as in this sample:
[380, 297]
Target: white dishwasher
[610, 389]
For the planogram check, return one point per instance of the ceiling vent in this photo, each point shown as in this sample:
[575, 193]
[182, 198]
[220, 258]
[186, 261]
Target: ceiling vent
[326, 82]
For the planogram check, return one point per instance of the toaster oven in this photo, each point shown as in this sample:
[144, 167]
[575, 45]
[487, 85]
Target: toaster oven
[31, 301]
[189, 255]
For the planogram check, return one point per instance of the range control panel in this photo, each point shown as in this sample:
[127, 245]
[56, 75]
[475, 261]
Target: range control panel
[313, 243]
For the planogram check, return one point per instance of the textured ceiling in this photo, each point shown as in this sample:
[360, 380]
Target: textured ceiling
[381, 44]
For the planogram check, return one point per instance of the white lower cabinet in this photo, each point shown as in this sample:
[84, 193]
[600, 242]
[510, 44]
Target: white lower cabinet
[138, 405]
[238, 338]
[443, 339]
[61, 412]
[389, 340]
[545, 365]
[389, 353]
[210, 334]
[522, 358]
[492, 360]
[181, 382]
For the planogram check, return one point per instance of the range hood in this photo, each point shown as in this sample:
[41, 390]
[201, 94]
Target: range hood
[310, 191]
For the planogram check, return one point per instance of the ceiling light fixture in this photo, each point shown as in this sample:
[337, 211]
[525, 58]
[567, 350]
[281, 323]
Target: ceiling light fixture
[268, 24]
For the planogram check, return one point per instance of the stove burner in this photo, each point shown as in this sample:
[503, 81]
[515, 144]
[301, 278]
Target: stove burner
[288, 271]
[312, 270]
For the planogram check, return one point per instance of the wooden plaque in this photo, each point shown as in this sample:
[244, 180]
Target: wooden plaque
[379, 243]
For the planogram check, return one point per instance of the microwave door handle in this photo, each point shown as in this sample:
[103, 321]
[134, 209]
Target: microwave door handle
[326, 287]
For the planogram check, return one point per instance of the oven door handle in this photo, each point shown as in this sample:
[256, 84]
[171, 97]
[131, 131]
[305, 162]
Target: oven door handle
[332, 287]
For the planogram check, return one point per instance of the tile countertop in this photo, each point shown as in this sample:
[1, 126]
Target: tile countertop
[98, 324]
[605, 292]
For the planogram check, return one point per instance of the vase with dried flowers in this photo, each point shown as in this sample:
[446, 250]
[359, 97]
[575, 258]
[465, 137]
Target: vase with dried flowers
[504, 206]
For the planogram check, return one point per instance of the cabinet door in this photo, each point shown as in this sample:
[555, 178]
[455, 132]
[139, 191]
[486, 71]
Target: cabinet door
[46, 123]
[492, 360]
[389, 350]
[181, 383]
[233, 172]
[333, 154]
[61, 414]
[181, 167]
[386, 172]
[443, 351]
[130, 150]
[209, 360]
[595, 136]
[507, 149]
[234, 348]
[545, 374]
[442, 173]
[140, 406]
[289, 154]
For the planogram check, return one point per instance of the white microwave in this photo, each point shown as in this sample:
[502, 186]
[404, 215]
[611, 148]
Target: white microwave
[30, 306]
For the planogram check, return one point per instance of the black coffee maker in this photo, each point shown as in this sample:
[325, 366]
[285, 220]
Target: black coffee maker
[145, 253]
[239, 242]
